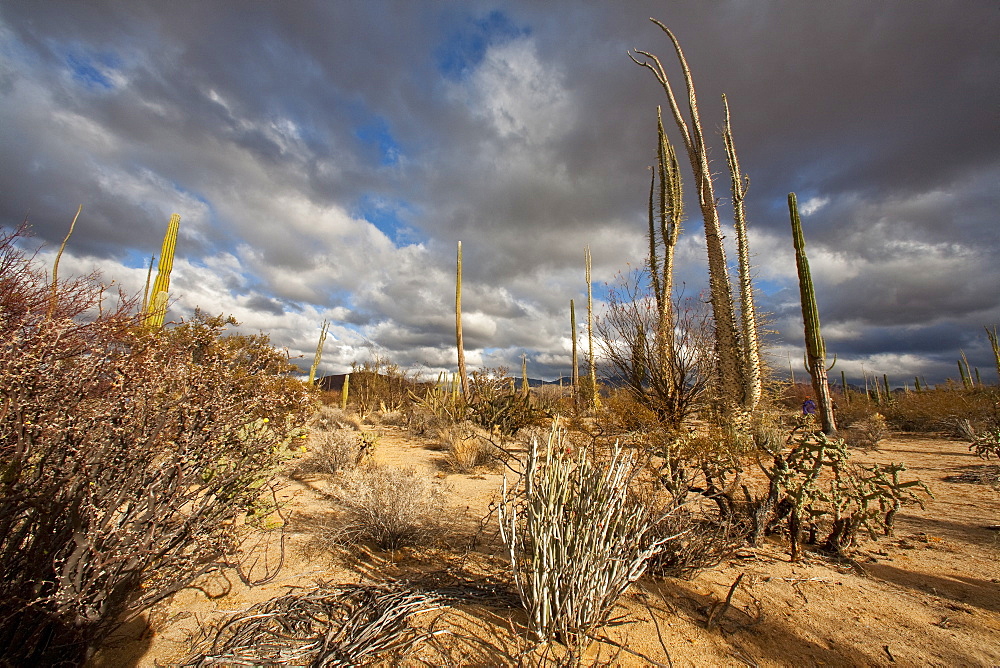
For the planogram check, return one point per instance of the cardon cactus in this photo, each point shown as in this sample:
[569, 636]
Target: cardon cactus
[815, 346]
[157, 308]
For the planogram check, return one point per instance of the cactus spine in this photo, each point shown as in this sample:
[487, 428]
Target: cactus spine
[459, 341]
[319, 352]
[815, 346]
[157, 308]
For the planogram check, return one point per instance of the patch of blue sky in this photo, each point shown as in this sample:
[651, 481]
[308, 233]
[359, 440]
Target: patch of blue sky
[768, 287]
[93, 69]
[375, 133]
[390, 216]
[464, 48]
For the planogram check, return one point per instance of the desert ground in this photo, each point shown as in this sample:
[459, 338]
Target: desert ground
[929, 595]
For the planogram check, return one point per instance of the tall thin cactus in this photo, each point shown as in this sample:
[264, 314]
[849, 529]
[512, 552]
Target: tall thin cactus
[525, 387]
[750, 349]
[54, 295]
[815, 345]
[157, 308]
[965, 371]
[575, 372]
[669, 215]
[459, 341]
[995, 344]
[319, 351]
[591, 362]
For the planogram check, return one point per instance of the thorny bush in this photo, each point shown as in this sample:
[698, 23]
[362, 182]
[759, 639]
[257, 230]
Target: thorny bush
[128, 459]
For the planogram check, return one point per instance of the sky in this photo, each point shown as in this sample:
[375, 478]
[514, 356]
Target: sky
[326, 158]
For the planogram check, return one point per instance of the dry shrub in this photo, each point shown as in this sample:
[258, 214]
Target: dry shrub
[129, 458]
[553, 399]
[694, 544]
[333, 451]
[620, 413]
[396, 418]
[392, 507]
[324, 625]
[867, 433]
[466, 449]
[331, 418]
[940, 409]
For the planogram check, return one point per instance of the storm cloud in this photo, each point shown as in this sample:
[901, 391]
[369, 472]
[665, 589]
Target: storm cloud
[326, 157]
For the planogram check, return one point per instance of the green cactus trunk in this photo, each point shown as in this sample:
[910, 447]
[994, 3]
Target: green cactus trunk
[815, 346]
[157, 308]
[843, 385]
[344, 392]
[963, 371]
[524, 376]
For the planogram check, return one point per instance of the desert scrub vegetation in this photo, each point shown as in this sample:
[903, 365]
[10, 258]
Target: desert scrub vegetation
[388, 505]
[576, 538]
[130, 457]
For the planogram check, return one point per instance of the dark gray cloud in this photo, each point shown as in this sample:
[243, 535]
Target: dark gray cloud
[326, 157]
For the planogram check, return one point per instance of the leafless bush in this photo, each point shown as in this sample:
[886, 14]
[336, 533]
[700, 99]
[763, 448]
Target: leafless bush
[390, 506]
[379, 385]
[941, 409]
[694, 544]
[665, 365]
[396, 418]
[130, 458]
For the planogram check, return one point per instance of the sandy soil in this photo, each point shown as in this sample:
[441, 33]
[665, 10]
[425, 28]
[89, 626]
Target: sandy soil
[927, 596]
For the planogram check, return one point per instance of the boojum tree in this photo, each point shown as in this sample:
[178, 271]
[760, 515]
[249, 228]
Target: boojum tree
[737, 347]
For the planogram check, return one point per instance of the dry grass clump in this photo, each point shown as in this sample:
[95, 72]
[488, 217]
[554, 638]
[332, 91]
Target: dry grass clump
[392, 507]
[331, 418]
[466, 449]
